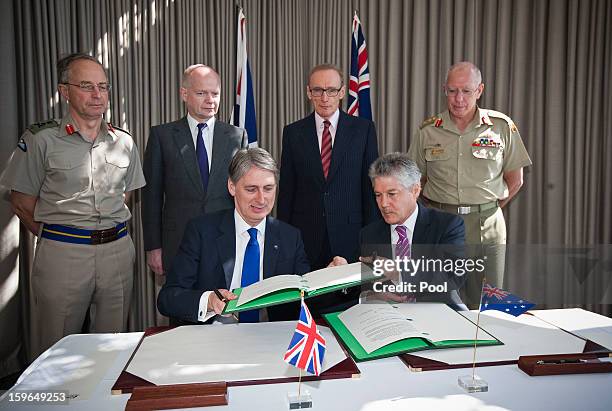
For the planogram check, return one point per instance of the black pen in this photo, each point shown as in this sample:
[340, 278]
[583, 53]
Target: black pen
[224, 300]
[220, 296]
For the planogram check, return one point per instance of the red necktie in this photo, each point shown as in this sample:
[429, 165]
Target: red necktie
[326, 147]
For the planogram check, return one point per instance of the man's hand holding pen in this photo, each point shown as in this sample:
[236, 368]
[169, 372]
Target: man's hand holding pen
[218, 299]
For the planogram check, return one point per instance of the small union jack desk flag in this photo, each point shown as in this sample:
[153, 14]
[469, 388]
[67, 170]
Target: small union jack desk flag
[307, 347]
[494, 298]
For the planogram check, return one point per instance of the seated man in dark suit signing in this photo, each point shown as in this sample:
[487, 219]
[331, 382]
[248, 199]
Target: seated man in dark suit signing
[234, 248]
[409, 229]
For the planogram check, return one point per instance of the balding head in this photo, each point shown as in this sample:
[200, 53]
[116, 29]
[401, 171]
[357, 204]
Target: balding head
[465, 66]
[198, 70]
[201, 92]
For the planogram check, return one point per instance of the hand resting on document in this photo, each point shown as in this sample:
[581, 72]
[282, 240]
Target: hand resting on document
[370, 295]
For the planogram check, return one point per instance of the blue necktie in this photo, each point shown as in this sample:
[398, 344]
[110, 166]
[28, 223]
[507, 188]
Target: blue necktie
[250, 273]
[202, 156]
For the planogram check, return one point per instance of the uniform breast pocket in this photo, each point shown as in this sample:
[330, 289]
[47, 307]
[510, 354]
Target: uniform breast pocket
[68, 176]
[437, 153]
[116, 170]
[487, 153]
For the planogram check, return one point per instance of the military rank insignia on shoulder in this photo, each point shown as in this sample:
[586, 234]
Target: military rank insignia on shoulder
[37, 127]
[22, 145]
[113, 128]
[430, 120]
[497, 114]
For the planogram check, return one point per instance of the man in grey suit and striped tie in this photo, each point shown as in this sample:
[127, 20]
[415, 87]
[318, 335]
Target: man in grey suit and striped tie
[185, 166]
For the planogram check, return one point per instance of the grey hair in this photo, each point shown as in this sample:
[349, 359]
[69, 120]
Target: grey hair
[246, 158]
[465, 65]
[396, 165]
[186, 79]
[64, 63]
[326, 66]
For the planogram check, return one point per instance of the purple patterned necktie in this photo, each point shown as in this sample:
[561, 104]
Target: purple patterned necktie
[402, 250]
[402, 247]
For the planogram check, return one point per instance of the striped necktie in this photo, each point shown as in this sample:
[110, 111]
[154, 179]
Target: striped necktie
[326, 148]
[402, 247]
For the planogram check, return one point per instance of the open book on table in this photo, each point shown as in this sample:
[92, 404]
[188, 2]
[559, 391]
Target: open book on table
[376, 330]
[282, 289]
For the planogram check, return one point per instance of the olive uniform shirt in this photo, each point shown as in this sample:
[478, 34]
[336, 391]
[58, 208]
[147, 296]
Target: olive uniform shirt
[78, 183]
[467, 167]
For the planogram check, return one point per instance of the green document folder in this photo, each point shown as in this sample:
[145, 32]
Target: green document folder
[282, 296]
[395, 348]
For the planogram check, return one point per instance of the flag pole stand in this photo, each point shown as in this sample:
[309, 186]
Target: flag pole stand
[301, 399]
[473, 383]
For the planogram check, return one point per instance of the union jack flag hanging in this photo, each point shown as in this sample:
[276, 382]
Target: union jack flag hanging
[359, 77]
[494, 298]
[243, 114]
[307, 347]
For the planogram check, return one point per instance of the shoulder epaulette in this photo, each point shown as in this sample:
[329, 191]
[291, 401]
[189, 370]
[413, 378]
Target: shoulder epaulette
[36, 127]
[113, 127]
[497, 114]
[429, 121]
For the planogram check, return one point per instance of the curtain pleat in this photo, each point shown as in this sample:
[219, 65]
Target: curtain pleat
[545, 63]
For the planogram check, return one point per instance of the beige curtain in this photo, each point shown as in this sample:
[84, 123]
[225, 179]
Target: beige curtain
[546, 63]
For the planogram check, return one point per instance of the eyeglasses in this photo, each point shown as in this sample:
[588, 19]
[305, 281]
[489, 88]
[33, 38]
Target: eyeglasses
[90, 87]
[318, 91]
[452, 92]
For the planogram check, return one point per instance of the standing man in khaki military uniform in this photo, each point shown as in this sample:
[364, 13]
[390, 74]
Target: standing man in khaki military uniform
[472, 162]
[70, 181]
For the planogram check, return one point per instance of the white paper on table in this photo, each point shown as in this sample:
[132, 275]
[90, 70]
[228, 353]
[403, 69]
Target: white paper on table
[230, 352]
[522, 335]
[60, 369]
[586, 324]
[377, 325]
[439, 322]
[269, 285]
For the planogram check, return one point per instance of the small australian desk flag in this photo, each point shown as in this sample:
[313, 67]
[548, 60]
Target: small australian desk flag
[494, 298]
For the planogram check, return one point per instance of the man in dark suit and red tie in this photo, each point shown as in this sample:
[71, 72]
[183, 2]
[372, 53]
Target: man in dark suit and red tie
[185, 166]
[324, 188]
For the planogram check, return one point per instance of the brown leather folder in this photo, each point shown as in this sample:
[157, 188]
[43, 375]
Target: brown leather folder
[416, 363]
[177, 396]
[127, 381]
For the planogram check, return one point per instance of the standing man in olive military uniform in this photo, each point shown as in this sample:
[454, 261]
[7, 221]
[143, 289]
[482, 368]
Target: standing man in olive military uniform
[472, 162]
[70, 181]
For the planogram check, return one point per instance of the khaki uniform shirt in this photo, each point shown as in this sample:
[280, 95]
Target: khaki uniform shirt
[78, 183]
[467, 167]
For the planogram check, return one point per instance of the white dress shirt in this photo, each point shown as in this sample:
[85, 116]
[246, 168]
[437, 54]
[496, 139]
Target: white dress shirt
[242, 239]
[332, 128]
[207, 133]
